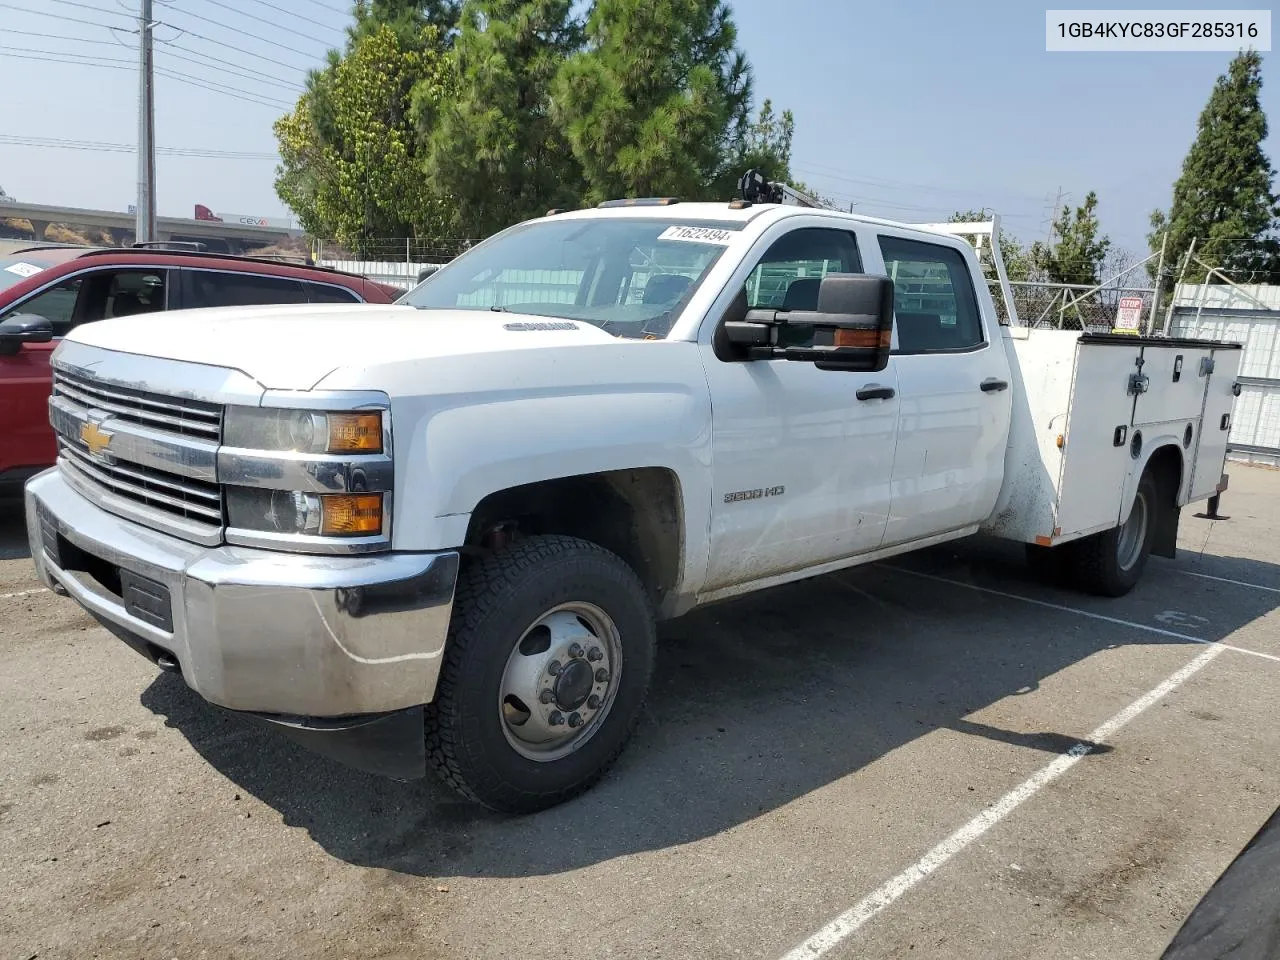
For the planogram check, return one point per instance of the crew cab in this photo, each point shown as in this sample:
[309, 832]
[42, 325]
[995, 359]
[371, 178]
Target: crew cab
[441, 536]
[47, 290]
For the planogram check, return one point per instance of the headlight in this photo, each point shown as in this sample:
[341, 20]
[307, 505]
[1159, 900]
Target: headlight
[312, 514]
[303, 431]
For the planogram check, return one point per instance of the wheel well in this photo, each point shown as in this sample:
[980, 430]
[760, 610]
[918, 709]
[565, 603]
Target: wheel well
[633, 513]
[1166, 466]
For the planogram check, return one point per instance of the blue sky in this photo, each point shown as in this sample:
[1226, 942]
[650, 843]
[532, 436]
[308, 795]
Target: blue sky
[912, 109]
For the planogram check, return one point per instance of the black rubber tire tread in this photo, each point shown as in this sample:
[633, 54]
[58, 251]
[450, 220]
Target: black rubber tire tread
[485, 586]
[1095, 565]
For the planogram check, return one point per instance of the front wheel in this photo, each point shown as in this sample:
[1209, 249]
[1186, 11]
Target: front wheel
[1111, 563]
[549, 655]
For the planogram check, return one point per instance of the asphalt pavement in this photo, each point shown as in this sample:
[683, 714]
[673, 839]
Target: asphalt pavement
[930, 757]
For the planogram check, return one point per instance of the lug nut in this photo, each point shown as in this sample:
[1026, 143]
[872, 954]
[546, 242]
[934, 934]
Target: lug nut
[593, 702]
[575, 720]
[575, 650]
[546, 696]
[554, 668]
[556, 718]
[594, 654]
[602, 675]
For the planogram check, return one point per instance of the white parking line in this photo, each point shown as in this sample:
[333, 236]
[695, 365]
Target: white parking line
[22, 593]
[1131, 624]
[884, 896]
[1238, 583]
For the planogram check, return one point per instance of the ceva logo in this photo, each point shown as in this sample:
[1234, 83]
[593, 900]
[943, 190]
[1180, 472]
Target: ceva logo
[254, 221]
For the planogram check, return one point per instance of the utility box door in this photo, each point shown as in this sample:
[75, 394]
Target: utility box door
[1215, 423]
[1094, 464]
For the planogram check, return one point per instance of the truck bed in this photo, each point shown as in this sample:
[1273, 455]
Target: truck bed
[1088, 411]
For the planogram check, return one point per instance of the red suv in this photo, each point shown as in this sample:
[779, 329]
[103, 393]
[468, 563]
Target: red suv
[47, 290]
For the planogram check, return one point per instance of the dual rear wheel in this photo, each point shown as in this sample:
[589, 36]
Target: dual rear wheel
[1110, 563]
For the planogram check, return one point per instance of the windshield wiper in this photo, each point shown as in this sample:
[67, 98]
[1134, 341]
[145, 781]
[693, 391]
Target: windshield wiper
[497, 309]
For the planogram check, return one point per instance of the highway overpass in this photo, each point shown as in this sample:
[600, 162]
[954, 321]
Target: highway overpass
[220, 237]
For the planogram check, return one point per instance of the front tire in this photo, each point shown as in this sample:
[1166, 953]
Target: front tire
[1110, 563]
[549, 655]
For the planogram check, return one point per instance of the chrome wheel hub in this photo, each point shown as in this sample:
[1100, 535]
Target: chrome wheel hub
[560, 681]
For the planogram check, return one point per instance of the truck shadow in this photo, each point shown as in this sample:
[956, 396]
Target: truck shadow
[13, 529]
[755, 703]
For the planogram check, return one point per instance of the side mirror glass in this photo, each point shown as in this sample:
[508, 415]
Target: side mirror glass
[851, 329]
[24, 328]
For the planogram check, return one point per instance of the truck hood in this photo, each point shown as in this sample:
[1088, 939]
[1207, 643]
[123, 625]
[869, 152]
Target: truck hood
[294, 347]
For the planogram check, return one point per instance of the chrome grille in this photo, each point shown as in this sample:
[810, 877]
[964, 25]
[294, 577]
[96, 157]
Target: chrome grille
[178, 415]
[191, 499]
[151, 432]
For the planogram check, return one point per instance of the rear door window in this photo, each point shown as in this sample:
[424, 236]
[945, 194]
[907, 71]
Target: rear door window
[934, 304]
[326, 293]
[208, 288]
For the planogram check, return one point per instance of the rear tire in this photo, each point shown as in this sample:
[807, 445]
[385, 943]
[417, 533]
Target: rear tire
[1109, 564]
[521, 719]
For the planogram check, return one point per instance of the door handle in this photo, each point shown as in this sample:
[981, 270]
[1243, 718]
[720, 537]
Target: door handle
[875, 392]
[992, 385]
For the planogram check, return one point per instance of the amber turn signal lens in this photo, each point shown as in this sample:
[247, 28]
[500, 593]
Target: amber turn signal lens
[351, 514]
[865, 339]
[355, 432]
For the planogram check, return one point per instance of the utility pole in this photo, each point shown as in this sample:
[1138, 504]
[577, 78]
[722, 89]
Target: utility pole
[146, 223]
[1053, 216]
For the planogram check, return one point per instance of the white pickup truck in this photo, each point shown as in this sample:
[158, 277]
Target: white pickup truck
[440, 533]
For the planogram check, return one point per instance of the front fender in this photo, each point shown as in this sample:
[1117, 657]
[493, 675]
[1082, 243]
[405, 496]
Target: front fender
[572, 412]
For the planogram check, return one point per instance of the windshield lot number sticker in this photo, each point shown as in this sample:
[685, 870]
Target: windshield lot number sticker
[698, 235]
[23, 269]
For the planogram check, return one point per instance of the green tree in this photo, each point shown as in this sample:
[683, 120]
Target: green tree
[1077, 251]
[406, 18]
[350, 164]
[494, 147]
[658, 98]
[1224, 195]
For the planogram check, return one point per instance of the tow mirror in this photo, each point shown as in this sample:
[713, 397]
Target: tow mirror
[23, 328]
[851, 329]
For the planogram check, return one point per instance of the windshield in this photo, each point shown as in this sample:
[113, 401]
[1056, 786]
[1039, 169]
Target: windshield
[17, 267]
[630, 277]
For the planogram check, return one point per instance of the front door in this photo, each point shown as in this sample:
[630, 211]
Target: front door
[801, 465]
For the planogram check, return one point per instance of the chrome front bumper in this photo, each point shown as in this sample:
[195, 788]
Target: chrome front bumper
[284, 634]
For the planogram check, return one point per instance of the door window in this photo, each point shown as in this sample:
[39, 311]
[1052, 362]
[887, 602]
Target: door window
[788, 275]
[205, 288]
[935, 308]
[57, 305]
[324, 293]
[129, 292]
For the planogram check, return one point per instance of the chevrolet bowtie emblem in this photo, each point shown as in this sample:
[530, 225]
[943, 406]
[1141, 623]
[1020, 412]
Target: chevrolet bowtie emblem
[95, 438]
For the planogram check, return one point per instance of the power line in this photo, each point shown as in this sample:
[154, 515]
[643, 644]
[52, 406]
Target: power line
[106, 147]
[246, 73]
[269, 23]
[297, 16]
[116, 63]
[320, 3]
[87, 6]
[251, 75]
[236, 93]
[227, 26]
[62, 18]
[231, 46]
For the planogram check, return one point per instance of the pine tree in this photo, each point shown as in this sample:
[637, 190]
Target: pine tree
[658, 98]
[1077, 254]
[494, 147]
[1224, 196]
